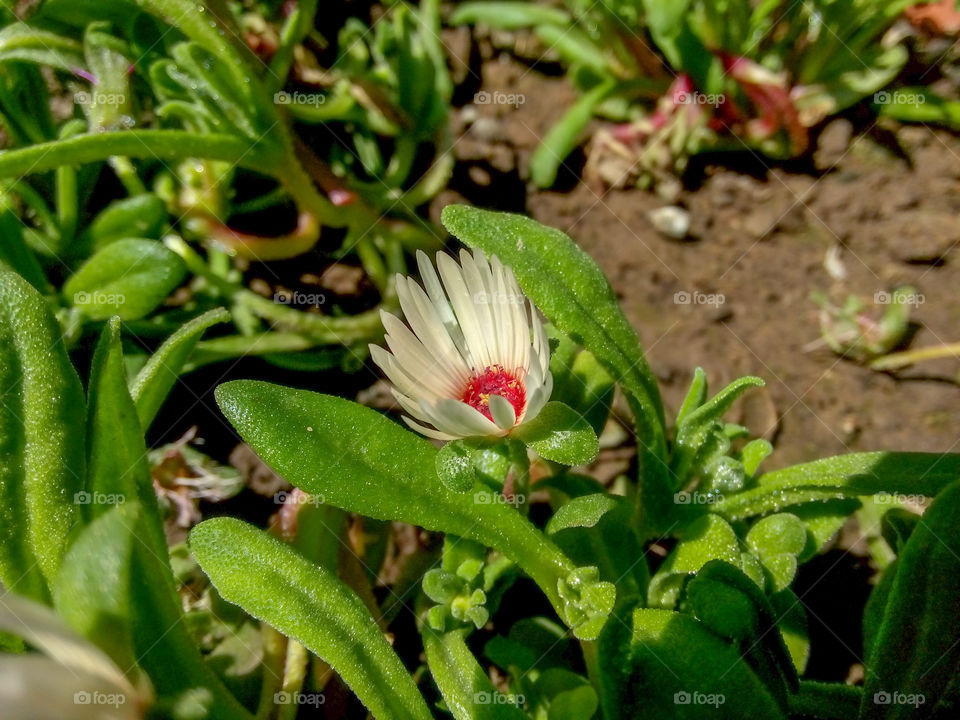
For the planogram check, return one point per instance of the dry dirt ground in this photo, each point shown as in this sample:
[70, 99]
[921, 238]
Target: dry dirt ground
[885, 197]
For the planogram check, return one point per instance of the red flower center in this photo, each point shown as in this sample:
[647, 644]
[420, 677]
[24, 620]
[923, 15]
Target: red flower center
[495, 380]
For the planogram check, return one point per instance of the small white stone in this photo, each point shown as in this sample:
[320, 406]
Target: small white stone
[672, 221]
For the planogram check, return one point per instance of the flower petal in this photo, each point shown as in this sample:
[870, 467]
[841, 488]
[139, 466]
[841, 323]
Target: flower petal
[503, 413]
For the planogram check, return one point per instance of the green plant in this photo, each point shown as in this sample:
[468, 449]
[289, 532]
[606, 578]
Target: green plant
[679, 78]
[180, 135]
[714, 627]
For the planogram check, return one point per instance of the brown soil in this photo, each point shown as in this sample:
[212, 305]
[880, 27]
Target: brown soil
[886, 196]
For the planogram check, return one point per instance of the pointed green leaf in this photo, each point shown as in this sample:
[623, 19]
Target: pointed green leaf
[916, 653]
[155, 379]
[843, 476]
[677, 668]
[465, 686]
[274, 583]
[359, 460]
[559, 433]
[705, 539]
[117, 457]
[41, 440]
[128, 278]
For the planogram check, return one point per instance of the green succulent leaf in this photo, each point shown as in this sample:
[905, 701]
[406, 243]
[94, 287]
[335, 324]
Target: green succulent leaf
[274, 583]
[915, 652]
[825, 700]
[465, 686]
[778, 540]
[696, 425]
[357, 459]
[41, 440]
[117, 470]
[455, 465]
[115, 591]
[675, 667]
[21, 42]
[564, 136]
[843, 476]
[559, 433]
[508, 15]
[572, 291]
[705, 539]
[583, 511]
[15, 254]
[128, 278]
[732, 605]
[156, 378]
[139, 216]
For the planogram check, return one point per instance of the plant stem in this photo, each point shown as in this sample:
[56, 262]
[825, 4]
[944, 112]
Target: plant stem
[894, 361]
[274, 651]
[294, 673]
[151, 144]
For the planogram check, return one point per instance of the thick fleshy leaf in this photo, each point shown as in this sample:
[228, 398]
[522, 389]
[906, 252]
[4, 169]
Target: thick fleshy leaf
[559, 433]
[731, 605]
[465, 686]
[274, 583]
[508, 15]
[357, 459]
[705, 539]
[843, 476]
[128, 278]
[139, 216]
[155, 379]
[114, 590]
[672, 666]
[564, 136]
[455, 466]
[915, 656]
[117, 470]
[41, 440]
[695, 425]
[572, 291]
[15, 255]
[777, 541]
[584, 511]
[825, 700]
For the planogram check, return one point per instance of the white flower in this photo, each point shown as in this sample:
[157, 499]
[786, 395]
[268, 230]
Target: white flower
[475, 359]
